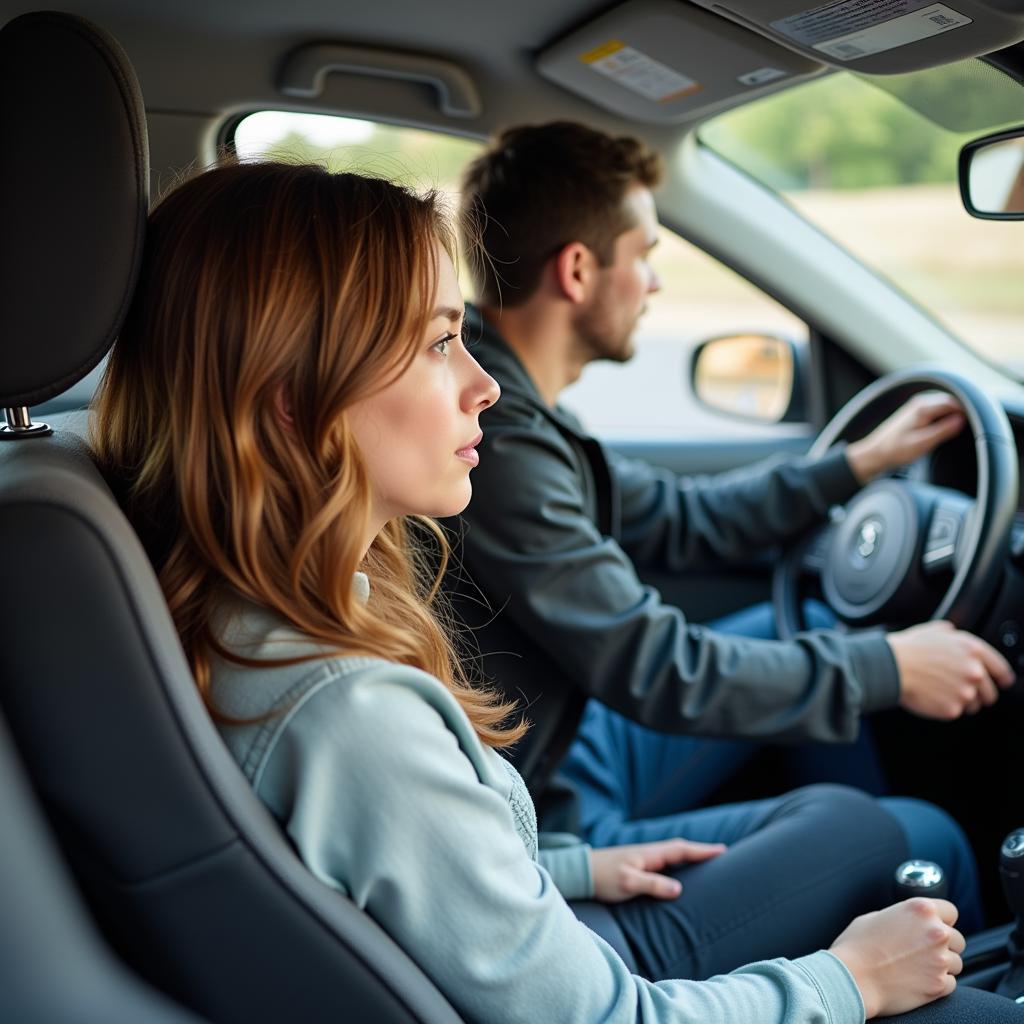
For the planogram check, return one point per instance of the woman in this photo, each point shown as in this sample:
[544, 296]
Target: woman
[289, 397]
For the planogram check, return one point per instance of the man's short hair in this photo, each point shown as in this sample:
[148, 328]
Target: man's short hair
[536, 189]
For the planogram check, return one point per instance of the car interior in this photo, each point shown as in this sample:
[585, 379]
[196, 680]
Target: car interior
[143, 878]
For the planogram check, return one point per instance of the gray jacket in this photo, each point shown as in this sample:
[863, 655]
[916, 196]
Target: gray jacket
[550, 547]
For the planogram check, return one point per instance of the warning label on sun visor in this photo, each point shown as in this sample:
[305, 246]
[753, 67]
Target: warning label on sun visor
[639, 73]
[859, 28]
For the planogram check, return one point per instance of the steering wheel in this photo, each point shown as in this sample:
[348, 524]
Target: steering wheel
[886, 555]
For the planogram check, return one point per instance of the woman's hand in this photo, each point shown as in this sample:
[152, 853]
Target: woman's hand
[904, 956]
[622, 872]
[913, 430]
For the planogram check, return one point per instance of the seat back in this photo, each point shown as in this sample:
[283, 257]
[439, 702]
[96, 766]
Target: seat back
[188, 876]
[45, 930]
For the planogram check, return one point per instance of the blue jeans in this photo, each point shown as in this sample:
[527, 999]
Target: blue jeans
[637, 785]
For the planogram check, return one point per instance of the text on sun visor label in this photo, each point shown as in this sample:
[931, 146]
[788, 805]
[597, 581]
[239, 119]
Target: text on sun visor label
[639, 73]
[859, 28]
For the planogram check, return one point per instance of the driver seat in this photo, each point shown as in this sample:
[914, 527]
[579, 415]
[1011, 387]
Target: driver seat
[186, 873]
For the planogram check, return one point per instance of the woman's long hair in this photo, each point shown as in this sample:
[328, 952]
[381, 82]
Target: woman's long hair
[269, 286]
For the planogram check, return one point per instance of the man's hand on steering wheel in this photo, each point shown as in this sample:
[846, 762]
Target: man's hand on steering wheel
[919, 425]
[946, 672]
[906, 549]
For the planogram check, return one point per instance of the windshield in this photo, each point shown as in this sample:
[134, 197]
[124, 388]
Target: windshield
[879, 176]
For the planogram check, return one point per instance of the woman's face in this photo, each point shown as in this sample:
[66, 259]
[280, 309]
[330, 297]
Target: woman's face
[418, 435]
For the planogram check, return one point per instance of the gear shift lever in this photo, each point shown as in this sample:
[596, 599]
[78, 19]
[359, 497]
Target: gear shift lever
[1011, 868]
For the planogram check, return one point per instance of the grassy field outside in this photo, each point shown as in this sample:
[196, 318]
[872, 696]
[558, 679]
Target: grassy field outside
[966, 272]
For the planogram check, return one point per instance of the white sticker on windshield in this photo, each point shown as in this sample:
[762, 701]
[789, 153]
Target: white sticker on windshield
[859, 28]
[639, 73]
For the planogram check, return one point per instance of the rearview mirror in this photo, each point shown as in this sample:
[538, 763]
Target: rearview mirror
[751, 376]
[992, 176]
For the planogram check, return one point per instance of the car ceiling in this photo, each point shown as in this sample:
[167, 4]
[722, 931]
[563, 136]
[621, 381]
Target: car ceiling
[200, 60]
[196, 56]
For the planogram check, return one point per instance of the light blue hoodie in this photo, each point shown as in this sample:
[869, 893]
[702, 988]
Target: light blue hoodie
[375, 773]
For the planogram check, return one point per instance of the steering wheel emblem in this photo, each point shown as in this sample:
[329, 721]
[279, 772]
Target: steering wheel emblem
[866, 544]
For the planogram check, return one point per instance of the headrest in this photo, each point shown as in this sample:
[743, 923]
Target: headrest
[74, 181]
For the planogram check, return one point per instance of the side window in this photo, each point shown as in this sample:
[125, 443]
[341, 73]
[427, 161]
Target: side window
[417, 158]
[651, 396]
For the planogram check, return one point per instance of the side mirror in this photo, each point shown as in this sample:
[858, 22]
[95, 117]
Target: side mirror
[751, 376]
[992, 176]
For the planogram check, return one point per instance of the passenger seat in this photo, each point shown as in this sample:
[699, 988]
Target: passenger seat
[188, 876]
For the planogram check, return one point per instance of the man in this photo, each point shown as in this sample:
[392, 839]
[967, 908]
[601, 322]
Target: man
[562, 222]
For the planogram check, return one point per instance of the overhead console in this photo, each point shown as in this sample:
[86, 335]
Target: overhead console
[881, 37]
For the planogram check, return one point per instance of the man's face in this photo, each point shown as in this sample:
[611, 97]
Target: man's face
[607, 323]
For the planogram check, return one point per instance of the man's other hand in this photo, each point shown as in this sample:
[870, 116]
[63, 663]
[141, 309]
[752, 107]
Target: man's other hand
[945, 672]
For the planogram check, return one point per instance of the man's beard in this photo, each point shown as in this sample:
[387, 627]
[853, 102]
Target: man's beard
[604, 337]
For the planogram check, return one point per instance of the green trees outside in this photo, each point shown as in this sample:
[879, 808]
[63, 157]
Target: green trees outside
[845, 132]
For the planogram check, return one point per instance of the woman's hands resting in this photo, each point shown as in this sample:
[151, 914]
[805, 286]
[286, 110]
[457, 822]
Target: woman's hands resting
[622, 872]
[904, 956]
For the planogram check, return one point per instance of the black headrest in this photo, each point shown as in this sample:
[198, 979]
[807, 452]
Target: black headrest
[74, 181]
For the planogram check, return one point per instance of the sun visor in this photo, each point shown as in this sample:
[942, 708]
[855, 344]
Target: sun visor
[665, 61]
[882, 37]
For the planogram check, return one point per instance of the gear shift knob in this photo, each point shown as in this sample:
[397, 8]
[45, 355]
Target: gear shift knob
[1011, 869]
[920, 878]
